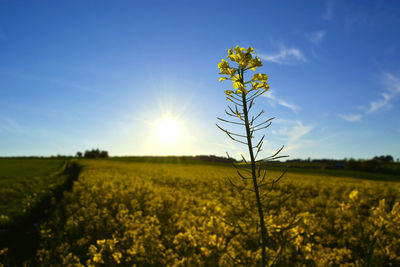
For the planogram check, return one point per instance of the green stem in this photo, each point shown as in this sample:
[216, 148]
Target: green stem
[254, 176]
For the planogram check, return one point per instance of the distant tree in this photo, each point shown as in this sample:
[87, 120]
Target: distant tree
[294, 160]
[95, 153]
[79, 154]
[103, 154]
[352, 164]
[387, 158]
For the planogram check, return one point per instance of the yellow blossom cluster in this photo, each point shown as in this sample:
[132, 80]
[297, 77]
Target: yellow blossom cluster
[245, 60]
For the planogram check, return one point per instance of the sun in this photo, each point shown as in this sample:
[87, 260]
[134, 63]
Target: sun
[169, 130]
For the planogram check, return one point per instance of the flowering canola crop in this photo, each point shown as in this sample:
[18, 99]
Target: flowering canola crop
[143, 214]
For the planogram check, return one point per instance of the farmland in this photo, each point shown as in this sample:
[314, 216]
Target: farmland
[23, 182]
[29, 186]
[188, 215]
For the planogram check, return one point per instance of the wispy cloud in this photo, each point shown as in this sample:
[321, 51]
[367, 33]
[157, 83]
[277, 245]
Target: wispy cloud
[378, 104]
[294, 134]
[392, 90]
[317, 37]
[329, 6]
[13, 127]
[351, 117]
[273, 99]
[284, 55]
[59, 82]
[8, 125]
[228, 144]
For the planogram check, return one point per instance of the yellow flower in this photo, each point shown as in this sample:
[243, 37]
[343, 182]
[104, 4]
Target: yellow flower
[97, 258]
[245, 60]
[222, 79]
[3, 251]
[223, 64]
[353, 195]
[260, 77]
[101, 242]
[117, 257]
[242, 56]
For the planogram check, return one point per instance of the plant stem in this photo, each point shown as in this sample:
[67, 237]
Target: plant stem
[254, 176]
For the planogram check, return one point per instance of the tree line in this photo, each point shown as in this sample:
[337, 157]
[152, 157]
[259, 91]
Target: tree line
[92, 154]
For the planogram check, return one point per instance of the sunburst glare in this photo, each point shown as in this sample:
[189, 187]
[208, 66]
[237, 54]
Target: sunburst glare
[169, 130]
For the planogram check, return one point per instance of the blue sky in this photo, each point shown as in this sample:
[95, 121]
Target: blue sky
[77, 75]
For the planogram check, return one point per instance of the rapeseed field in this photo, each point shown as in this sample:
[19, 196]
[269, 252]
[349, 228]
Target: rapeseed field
[144, 214]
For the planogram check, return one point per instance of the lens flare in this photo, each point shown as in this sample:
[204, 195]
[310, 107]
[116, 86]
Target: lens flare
[169, 130]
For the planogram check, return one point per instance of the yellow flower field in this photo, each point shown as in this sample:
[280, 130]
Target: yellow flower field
[146, 214]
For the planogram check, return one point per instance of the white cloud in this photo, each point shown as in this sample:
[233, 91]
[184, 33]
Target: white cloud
[8, 125]
[317, 37]
[284, 56]
[228, 144]
[12, 126]
[293, 131]
[328, 14]
[271, 96]
[293, 134]
[392, 90]
[351, 117]
[297, 131]
[378, 104]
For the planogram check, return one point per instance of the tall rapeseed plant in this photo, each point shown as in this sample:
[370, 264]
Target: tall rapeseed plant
[242, 101]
